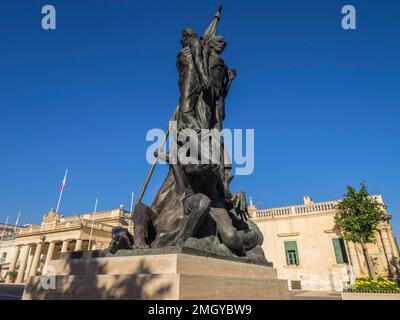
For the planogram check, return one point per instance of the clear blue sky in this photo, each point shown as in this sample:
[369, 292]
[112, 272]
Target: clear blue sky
[324, 102]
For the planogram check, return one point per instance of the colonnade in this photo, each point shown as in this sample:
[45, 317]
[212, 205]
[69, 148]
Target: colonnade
[30, 255]
[384, 239]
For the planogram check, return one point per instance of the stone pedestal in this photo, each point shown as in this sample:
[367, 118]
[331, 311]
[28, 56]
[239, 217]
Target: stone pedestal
[159, 277]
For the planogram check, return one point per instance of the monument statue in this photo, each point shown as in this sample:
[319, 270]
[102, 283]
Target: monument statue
[192, 242]
[194, 209]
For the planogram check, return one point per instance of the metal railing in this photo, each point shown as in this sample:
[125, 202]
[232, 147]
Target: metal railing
[390, 291]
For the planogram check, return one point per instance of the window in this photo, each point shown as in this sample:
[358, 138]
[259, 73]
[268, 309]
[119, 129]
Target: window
[3, 257]
[340, 251]
[292, 256]
[295, 285]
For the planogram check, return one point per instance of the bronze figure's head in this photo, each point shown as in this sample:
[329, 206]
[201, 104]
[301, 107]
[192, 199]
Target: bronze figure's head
[218, 43]
[187, 34]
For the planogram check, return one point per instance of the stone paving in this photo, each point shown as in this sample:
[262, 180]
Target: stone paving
[315, 295]
[14, 292]
[11, 291]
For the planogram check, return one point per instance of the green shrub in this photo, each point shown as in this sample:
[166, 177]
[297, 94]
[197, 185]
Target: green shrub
[12, 275]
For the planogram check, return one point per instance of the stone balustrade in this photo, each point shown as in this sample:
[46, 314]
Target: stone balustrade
[96, 225]
[315, 208]
[69, 224]
[312, 208]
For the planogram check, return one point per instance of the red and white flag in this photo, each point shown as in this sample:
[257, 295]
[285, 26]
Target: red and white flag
[64, 181]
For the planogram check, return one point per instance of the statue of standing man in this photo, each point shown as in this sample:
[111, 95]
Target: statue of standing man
[193, 77]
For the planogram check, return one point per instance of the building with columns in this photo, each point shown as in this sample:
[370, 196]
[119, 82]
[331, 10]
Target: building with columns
[305, 246]
[301, 241]
[36, 245]
[7, 247]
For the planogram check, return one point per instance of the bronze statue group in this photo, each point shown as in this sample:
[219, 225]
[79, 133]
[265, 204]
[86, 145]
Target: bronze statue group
[194, 207]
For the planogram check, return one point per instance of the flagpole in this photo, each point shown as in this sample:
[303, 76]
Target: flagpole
[133, 195]
[91, 229]
[131, 211]
[62, 190]
[16, 223]
[4, 229]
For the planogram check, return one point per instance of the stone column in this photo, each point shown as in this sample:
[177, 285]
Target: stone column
[78, 245]
[94, 245]
[396, 252]
[13, 262]
[354, 258]
[21, 271]
[36, 259]
[64, 247]
[29, 263]
[387, 248]
[50, 253]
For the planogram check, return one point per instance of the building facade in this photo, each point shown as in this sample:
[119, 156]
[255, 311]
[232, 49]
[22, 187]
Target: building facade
[301, 241]
[7, 247]
[305, 246]
[36, 245]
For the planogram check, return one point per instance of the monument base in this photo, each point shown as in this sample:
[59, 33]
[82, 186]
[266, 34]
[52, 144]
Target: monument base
[157, 277]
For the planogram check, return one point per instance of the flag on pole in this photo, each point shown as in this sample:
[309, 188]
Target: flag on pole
[64, 181]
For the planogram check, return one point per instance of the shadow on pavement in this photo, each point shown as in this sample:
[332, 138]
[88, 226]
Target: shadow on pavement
[11, 291]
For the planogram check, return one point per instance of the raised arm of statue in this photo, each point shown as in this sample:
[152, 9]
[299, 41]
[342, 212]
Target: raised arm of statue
[212, 29]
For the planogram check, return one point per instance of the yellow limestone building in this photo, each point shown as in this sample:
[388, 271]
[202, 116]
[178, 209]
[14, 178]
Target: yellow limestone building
[36, 245]
[305, 246]
[7, 247]
[301, 241]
